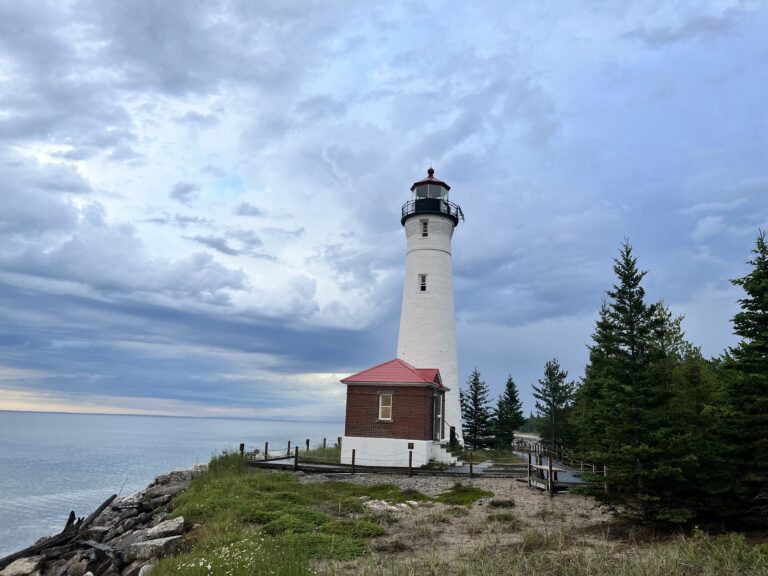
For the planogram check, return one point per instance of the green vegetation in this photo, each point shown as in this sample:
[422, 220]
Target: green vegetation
[320, 455]
[554, 396]
[498, 455]
[252, 519]
[509, 415]
[461, 495]
[476, 412]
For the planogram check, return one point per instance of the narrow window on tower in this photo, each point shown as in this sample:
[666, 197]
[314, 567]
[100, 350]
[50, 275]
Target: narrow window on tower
[385, 406]
[424, 228]
[422, 282]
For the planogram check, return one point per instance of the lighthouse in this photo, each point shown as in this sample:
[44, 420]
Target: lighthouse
[402, 412]
[427, 320]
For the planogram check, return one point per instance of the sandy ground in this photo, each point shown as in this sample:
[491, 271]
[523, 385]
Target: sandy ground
[456, 530]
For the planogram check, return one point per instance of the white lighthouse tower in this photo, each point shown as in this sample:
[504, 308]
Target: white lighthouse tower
[427, 321]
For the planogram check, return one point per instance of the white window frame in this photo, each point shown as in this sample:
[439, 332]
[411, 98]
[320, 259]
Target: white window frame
[391, 397]
[422, 282]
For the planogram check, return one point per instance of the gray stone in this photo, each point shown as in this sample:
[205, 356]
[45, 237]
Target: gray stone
[146, 569]
[22, 566]
[123, 543]
[153, 548]
[172, 527]
[96, 533]
[159, 501]
[163, 490]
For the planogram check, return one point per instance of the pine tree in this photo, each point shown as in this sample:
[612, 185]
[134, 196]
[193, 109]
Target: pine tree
[476, 411]
[747, 385]
[553, 399]
[509, 414]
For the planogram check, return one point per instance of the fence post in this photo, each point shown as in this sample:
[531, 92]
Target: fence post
[307, 444]
[471, 463]
[529, 466]
[605, 476]
[353, 460]
[296, 459]
[582, 465]
[338, 441]
[266, 450]
[410, 462]
[550, 480]
[242, 449]
[323, 443]
[289, 448]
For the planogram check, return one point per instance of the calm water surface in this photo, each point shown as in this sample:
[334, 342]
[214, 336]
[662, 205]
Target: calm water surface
[53, 463]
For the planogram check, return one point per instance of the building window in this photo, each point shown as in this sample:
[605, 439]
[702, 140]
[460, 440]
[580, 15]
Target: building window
[422, 282]
[424, 228]
[385, 406]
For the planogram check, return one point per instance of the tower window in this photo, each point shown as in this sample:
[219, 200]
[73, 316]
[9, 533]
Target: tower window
[422, 282]
[424, 228]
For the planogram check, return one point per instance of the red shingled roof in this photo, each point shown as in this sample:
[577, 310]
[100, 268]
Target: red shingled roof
[396, 371]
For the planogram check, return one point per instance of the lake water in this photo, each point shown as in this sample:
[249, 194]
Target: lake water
[53, 463]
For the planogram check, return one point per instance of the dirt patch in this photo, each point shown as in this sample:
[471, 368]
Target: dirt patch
[515, 516]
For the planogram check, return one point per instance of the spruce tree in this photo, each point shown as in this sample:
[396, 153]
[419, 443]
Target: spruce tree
[509, 414]
[553, 399]
[476, 411]
[747, 385]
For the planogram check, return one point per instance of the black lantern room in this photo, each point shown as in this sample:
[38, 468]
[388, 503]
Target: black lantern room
[430, 196]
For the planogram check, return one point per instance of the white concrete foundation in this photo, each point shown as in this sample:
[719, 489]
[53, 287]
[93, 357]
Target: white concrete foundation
[391, 451]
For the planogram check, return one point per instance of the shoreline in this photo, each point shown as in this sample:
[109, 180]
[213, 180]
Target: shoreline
[125, 536]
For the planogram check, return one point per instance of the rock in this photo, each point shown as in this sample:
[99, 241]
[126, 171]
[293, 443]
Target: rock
[77, 567]
[172, 527]
[169, 490]
[21, 567]
[153, 548]
[123, 543]
[96, 533]
[175, 477]
[132, 523]
[159, 501]
[146, 569]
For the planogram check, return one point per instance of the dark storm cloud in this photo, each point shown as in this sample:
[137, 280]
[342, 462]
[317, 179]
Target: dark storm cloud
[139, 349]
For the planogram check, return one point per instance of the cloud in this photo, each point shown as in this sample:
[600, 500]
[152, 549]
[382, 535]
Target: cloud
[184, 192]
[707, 227]
[246, 209]
[179, 220]
[699, 27]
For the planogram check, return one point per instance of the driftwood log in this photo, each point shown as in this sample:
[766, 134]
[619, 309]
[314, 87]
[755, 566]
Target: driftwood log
[73, 531]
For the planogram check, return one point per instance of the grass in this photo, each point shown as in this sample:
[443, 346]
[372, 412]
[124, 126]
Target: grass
[255, 519]
[461, 495]
[320, 455]
[497, 455]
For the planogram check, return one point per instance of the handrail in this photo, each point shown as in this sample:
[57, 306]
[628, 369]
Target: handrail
[433, 206]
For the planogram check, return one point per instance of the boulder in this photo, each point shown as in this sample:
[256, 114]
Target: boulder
[146, 569]
[22, 567]
[123, 543]
[172, 527]
[159, 501]
[153, 548]
[164, 490]
[96, 533]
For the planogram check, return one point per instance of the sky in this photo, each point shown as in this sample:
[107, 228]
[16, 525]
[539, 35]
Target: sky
[199, 201]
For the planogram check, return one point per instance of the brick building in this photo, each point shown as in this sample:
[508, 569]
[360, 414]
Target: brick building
[393, 409]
